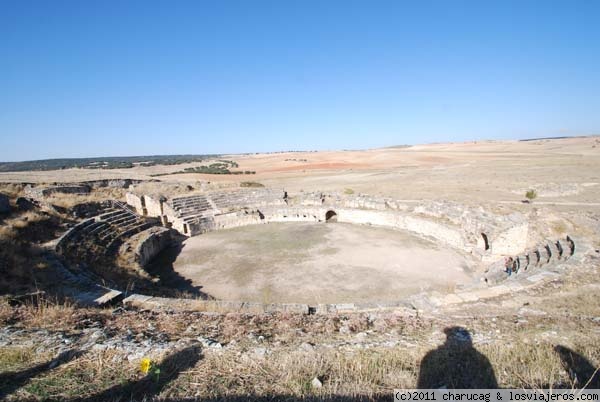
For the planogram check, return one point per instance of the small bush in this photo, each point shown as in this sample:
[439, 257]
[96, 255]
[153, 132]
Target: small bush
[348, 191]
[531, 194]
[251, 184]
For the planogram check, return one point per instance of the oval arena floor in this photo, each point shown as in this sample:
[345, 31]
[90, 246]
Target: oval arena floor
[319, 263]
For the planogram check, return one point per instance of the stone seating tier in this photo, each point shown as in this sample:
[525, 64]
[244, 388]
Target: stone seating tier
[110, 214]
[191, 203]
[195, 201]
[98, 227]
[117, 217]
[123, 221]
[193, 209]
[116, 241]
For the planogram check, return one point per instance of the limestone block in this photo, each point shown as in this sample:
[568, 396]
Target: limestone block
[163, 303]
[511, 241]
[136, 202]
[154, 205]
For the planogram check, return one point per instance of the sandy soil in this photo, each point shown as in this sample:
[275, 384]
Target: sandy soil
[562, 170]
[318, 263]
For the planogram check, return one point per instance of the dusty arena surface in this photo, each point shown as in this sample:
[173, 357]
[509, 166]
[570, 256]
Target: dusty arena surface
[318, 263]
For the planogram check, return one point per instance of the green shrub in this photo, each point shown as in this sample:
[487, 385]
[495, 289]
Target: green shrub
[531, 194]
[251, 184]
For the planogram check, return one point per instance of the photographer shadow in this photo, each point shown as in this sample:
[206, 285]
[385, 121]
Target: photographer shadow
[581, 371]
[456, 364]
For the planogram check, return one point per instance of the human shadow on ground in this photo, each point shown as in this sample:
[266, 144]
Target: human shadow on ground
[456, 364]
[163, 267]
[152, 384]
[11, 381]
[581, 371]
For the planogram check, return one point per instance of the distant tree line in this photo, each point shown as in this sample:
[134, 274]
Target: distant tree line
[113, 162]
[220, 167]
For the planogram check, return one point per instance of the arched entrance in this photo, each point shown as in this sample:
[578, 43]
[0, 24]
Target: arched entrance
[330, 216]
[486, 243]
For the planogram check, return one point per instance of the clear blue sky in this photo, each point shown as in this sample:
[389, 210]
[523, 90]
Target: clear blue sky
[95, 78]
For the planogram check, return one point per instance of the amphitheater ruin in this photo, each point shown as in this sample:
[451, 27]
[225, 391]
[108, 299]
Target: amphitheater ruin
[494, 249]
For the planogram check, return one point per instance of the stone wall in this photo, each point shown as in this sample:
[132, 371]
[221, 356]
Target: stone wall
[488, 236]
[113, 183]
[136, 202]
[154, 205]
[151, 242]
[149, 302]
[510, 241]
[545, 253]
[40, 192]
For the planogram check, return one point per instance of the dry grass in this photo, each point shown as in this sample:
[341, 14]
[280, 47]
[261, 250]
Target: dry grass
[40, 312]
[10, 227]
[96, 195]
[15, 358]
[7, 233]
[286, 372]
[83, 377]
[21, 262]
[13, 190]
[279, 365]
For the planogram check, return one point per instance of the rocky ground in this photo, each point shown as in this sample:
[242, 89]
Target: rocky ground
[545, 336]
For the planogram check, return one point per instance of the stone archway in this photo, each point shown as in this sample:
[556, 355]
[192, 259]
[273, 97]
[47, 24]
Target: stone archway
[331, 216]
[486, 243]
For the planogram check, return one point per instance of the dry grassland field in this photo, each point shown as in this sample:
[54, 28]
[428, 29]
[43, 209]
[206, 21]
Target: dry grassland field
[563, 170]
[330, 276]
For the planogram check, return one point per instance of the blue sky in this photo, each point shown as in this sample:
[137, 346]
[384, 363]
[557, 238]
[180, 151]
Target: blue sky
[99, 78]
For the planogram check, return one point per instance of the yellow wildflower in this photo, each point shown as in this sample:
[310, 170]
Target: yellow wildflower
[145, 365]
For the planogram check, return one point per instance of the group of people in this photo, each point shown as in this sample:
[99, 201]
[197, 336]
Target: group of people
[512, 265]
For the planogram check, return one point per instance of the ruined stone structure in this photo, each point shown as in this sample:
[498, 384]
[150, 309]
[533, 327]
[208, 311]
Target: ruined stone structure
[103, 233]
[547, 252]
[149, 243]
[489, 236]
[40, 192]
[146, 226]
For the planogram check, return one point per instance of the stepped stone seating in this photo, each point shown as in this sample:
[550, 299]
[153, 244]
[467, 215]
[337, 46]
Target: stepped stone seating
[102, 233]
[193, 209]
[247, 198]
[196, 204]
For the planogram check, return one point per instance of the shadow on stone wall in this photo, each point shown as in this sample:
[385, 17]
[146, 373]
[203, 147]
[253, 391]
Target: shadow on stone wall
[162, 266]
